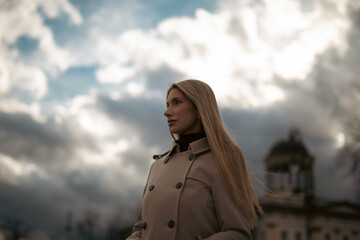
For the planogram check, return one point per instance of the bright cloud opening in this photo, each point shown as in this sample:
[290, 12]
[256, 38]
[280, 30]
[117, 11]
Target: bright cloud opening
[15, 171]
[114, 73]
[340, 140]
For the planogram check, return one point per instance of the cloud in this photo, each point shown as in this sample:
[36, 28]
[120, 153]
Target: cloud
[55, 8]
[138, 117]
[123, 16]
[60, 161]
[21, 136]
[245, 48]
[24, 18]
[161, 77]
[13, 171]
[114, 73]
[4, 76]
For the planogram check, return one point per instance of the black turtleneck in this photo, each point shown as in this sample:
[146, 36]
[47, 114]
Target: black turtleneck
[185, 139]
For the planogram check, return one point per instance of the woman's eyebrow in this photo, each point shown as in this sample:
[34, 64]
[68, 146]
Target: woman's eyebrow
[173, 99]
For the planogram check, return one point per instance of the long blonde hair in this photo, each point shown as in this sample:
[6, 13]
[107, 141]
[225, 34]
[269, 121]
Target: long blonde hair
[227, 152]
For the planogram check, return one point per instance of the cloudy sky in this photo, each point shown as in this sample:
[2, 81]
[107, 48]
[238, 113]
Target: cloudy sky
[83, 83]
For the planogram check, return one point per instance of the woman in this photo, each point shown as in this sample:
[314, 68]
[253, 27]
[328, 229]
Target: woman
[200, 188]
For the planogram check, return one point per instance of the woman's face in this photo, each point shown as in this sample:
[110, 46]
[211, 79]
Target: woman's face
[181, 114]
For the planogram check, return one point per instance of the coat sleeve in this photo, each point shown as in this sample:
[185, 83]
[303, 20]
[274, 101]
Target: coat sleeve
[233, 219]
[137, 229]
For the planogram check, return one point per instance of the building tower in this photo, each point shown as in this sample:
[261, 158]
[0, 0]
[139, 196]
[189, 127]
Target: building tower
[289, 176]
[289, 167]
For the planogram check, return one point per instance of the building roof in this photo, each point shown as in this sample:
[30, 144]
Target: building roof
[288, 152]
[291, 145]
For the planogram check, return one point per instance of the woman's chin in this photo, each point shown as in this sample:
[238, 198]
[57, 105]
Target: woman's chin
[173, 130]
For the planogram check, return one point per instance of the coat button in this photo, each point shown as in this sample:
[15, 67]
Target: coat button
[171, 224]
[144, 225]
[191, 157]
[151, 187]
[166, 159]
[178, 185]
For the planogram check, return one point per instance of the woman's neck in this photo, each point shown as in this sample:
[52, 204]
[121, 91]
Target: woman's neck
[185, 139]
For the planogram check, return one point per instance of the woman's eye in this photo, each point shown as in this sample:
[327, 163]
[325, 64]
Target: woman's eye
[176, 102]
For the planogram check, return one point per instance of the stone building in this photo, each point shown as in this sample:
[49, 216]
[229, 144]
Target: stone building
[292, 209]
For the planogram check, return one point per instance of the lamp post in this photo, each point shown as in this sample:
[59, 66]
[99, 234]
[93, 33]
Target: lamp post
[308, 206]
[294, 169]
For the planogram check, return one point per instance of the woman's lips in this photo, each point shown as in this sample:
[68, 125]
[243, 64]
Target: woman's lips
[171, 122]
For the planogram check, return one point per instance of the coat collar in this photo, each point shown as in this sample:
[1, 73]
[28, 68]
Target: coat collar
[198, 146]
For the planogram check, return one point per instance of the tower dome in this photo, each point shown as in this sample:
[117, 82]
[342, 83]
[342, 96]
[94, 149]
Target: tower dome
[289, 165]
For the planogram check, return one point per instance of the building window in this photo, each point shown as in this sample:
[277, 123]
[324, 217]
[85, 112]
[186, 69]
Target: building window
[283, 235]
[298, 236]
[327, 236]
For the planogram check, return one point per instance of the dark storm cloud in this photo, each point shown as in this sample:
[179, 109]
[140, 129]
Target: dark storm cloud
[140, 159]
[91, 184]
[23, 124]
[88, 184]
[47, 143]
[143, 115]
[52, 147]
[43, 205]
[21, 137]
[32, 202]
[336, 78]
[257, 131]
[336, 74]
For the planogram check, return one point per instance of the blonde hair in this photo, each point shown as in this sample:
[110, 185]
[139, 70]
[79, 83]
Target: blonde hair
[227, 152]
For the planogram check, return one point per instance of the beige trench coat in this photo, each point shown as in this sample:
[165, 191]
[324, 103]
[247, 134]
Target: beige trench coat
[186, 198]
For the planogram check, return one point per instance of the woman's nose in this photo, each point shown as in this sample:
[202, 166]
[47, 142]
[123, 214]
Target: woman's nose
[167, 112]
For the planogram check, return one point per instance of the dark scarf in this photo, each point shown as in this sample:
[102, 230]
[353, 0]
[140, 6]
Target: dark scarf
[185, 139]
